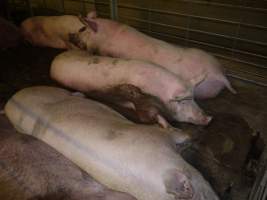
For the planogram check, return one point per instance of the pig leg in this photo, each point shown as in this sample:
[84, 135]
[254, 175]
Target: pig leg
[162, 121]
[208, 89]
[178, 185]
[78, 94]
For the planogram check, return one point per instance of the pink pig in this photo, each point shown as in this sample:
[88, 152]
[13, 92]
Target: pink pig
[81, 71]
[52, 31]
[109, 37]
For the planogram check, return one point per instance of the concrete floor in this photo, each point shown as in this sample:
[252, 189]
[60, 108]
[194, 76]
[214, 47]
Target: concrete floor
[250, 103]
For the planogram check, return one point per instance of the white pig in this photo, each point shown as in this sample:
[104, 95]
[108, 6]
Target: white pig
[78, 70]
[136, 159]
[119, 40]
[52, 31]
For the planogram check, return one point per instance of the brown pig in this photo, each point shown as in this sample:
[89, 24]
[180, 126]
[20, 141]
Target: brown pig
[135, 105]
[53, 31]
[32, 170]
[119, 40]
[80, 71]
[137, 159]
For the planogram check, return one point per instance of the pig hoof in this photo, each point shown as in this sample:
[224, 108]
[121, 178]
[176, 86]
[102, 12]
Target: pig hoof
[162, 121]
[78, 94]
[205, 121]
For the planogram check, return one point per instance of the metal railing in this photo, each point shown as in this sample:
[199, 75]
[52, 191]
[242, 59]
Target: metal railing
[238, 50]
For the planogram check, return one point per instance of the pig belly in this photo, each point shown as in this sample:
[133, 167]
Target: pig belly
[113, 150]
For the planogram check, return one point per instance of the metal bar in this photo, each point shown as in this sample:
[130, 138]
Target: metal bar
[247, 80]
[63, 6]
[8, 11]
[187, 29]
[103, 14]
[227, 5]
[89, 2]
[209, 45]
[30, 7]
[237, 33]
[193, 16]
[257, 191]
[45, 4]
[83, 7]
[238, 60]
[102, 3]
[197, 31]
[114, 9]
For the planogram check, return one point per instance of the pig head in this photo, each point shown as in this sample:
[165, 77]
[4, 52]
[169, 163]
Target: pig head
[53, 31]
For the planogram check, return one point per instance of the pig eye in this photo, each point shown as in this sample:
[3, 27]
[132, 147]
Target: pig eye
[177, 99]
[187, 98]
[82, 29]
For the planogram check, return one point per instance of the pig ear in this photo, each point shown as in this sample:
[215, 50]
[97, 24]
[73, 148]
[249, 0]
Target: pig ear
[178, 184]
[91, 15]
[78, 94]
[91, 23]
[197, 80]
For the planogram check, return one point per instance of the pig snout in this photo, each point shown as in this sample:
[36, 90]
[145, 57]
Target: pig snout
[199, 118]
[189, 111]
[202, 120]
